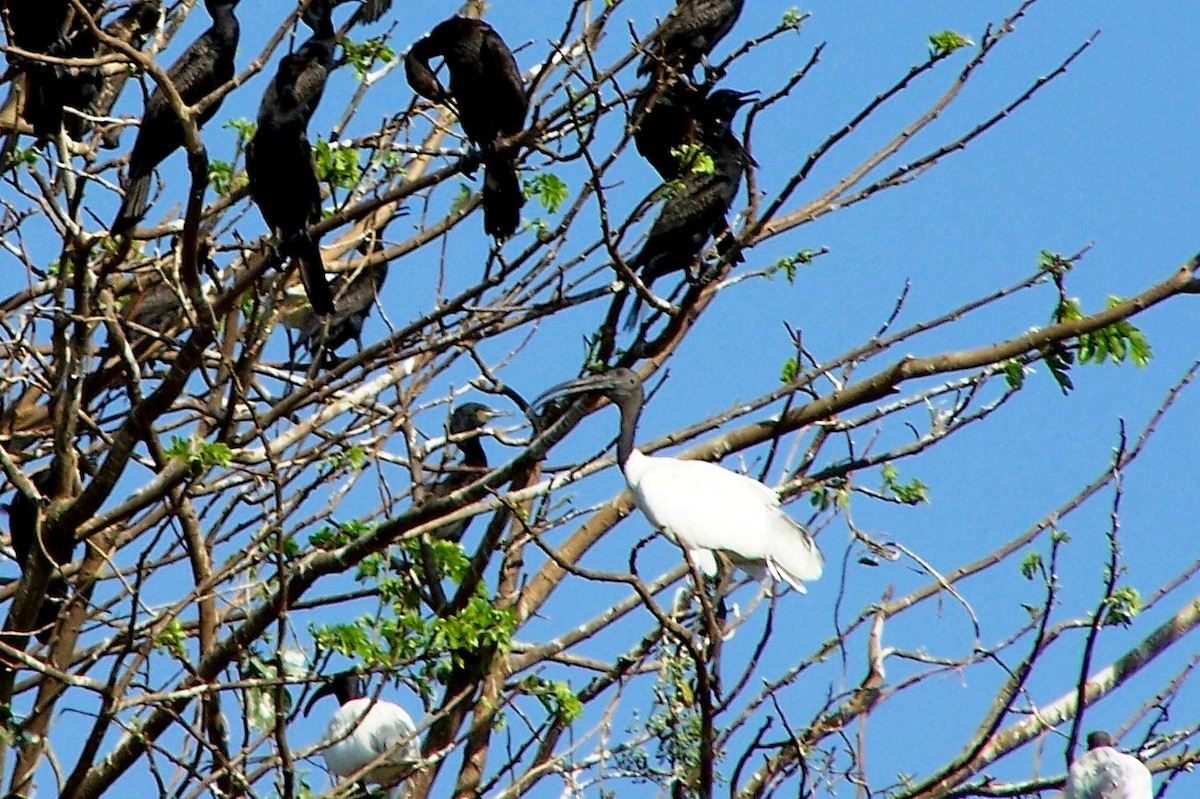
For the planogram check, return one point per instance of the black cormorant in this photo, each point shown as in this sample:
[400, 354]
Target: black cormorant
[696, 211]
[280, 165]
[59, 547]
[664, 121]
[352, 303]
[489, 95]
[466, 421]
[206, 65]
[689, 34]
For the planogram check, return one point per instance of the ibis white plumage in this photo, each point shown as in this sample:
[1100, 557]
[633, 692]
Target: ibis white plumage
[1104, 772]
[367, 730]
[703, 506]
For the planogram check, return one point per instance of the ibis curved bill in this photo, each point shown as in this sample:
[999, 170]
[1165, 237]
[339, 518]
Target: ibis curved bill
[703, 506]
[366, 730]
[1104, 772]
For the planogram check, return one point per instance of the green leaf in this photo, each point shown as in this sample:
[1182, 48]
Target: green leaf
[1117, 342]
[946, 42]
[548, 189]
[1014, 374]
[789, 371]
[459, 203]
[788, 263]
[1031, 566]
[363, 57]
[200, 454]
[1122, 607]
[338, 166]
[792, 18]
[913, 492]
[244, 127]
[1054, 263]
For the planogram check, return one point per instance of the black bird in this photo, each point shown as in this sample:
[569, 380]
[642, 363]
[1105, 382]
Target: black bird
[203, 67]
[697, 210]
[352, 303]
[664, 121]
[279, 159]
[37, 28]
[97, 97]
[690, 33]
[467, 420]
[22, 528]
[489, 94]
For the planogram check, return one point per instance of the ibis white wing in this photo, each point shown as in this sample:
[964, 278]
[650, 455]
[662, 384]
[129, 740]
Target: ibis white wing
[363, 729]
[707, 507]
[1107, 773]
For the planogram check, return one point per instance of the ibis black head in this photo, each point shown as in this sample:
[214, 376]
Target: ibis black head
[1099, 738]
[346, 686]
[620, 385]
[471, 416]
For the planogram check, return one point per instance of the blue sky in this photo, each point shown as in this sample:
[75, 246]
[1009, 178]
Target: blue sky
[1104, 157]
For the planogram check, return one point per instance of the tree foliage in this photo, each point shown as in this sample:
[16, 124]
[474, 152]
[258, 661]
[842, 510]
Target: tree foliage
[247, 523]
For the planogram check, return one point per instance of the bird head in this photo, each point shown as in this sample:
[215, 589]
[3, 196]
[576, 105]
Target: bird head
[471, 416]
[619, 385]
[723, 104]
[345, 686]
[1099, 738]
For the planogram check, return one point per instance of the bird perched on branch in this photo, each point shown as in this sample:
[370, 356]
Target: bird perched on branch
[466, 423]
[702, 506]
[58, 545]
[364, 730]
[279, 160]
[205, 66]
[691, 31]
[664, 120]
[489, 96]
[1104, 772]
[352, 303]
[697, 209]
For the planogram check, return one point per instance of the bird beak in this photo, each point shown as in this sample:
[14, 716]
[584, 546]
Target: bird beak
[570, 388]
[744, 98]
[323, 691]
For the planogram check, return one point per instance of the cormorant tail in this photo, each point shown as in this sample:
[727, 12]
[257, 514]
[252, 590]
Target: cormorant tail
[133, 207]
[307, 254]
[502, 197]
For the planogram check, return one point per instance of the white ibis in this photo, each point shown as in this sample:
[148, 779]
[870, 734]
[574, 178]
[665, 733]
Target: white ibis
[366, 730]
[1104, 772]
[704, 507]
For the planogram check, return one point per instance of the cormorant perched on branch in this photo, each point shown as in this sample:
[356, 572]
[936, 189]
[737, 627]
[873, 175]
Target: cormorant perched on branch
[46, 89]
[690, 33]
[22, 530]
[206, 65]
[279, 159]
[37, 28]
[489, 94]
[352, 303]
[468, 418]
[663, 120]
[697, 210]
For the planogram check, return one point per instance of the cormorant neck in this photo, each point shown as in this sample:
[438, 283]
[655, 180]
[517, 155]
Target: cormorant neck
[473, 454]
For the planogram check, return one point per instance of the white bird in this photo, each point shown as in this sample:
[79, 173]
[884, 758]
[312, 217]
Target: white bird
[1107, 773]
[365, 730]
[703, 506]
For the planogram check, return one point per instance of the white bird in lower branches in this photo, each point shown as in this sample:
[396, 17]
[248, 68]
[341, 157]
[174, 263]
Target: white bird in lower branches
[1104, 772]
[367, 730]
[705, 507]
